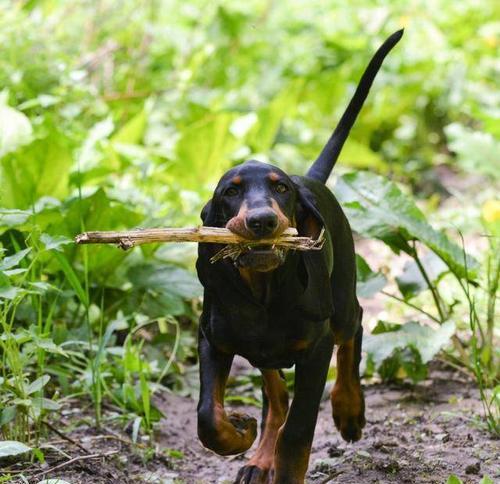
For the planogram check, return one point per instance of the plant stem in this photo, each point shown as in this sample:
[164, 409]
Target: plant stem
[404, 301]
[434, 291]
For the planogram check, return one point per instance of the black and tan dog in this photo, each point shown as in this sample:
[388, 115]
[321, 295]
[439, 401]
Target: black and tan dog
[279, 309]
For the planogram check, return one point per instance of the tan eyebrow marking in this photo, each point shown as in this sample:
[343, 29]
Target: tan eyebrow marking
[236, 180]
[273, 176]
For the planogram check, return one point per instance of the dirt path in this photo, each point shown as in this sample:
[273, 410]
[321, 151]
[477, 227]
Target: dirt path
[414, 434]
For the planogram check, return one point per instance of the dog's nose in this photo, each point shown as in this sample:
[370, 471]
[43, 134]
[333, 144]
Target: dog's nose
[262, 222]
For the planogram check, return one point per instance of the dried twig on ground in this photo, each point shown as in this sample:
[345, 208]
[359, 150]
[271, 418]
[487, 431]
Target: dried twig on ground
[76, 459]
[64, 436]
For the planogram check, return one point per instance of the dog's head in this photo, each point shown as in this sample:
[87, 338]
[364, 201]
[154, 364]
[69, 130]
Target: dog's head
[259, 201]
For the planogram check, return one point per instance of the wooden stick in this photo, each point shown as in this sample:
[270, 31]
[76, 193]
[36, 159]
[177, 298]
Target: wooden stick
[76, 459]
[130, 238]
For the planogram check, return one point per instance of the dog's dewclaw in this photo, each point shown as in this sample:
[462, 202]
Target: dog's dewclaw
[130, 238]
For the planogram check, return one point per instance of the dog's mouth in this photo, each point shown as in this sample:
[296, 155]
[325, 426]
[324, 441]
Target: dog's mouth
[261, 258]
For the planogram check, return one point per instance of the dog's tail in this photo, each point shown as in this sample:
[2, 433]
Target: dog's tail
[323, 166]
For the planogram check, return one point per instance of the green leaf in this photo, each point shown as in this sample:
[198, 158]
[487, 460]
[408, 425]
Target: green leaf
[453, 479]
[37, 385]
[11, 292]
[263, 134]
[166, 278]
[145, 396]
[72, 277]
[477, 152]
[368, 282]
[486, 480]
[358, 155]
[11, 450]
[8, 414]
[377, 208]
[13, 217]
[133, 130]
[54, 242]
[411, 281]
[40, 404]
[39, 169]
[15, 129]
[13, 260]
[424, 339]
[203, 150]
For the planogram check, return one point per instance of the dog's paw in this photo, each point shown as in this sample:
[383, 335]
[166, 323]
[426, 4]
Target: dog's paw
[252, 474]
[350, 427]
[244, 424]
[348, 411]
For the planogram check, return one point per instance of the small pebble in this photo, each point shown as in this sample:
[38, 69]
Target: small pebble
[473, 468]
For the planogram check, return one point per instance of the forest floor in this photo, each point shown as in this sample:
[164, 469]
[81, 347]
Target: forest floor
[414, 434]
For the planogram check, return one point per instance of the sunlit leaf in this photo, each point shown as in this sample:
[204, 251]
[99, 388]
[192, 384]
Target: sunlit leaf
[377, 208]
[15, 128]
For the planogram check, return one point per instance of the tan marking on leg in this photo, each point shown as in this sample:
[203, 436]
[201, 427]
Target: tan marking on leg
[277, 397]
[347, 396]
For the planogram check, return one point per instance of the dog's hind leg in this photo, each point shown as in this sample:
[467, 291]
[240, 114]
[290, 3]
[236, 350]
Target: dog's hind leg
[260, 468]
[348, 405]
[223, 433]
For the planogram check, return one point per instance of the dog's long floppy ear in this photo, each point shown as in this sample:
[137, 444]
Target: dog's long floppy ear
[308, 217]
[208, 214]
[316, 301]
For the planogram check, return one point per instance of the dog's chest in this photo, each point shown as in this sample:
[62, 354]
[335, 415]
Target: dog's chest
[267, 340]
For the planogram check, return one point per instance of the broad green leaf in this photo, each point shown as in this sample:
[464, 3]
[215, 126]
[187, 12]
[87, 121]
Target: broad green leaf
[163, 288]
[39, 169]
[411, 281]
[12, 217]
[13, 260]
[40, 404]
[486, 480]
[203, 150]
[8, 414]
[11, 450]
[377, 208]
[54, 242]
[15, 129]
[166, 278]
[453, 479]
[477, 152]
[368, 282]
[424, 339]
[133, 130]
[37, 385]
[263, 134]
[358, 155]
[11, 292]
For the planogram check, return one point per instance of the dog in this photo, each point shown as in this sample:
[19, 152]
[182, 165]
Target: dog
[278, 309]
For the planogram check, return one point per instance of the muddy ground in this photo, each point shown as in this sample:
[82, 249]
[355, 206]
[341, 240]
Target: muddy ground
[414, 434]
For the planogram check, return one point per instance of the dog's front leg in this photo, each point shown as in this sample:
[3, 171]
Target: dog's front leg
[222, 433]
[294, 442]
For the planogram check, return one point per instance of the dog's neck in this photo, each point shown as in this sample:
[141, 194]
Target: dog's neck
[258, 282]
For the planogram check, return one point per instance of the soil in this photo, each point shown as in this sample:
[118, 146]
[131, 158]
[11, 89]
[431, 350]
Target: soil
[414, 434]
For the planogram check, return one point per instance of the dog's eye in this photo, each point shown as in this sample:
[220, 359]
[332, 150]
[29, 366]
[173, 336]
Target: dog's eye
[231, 192]
[281, 188]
